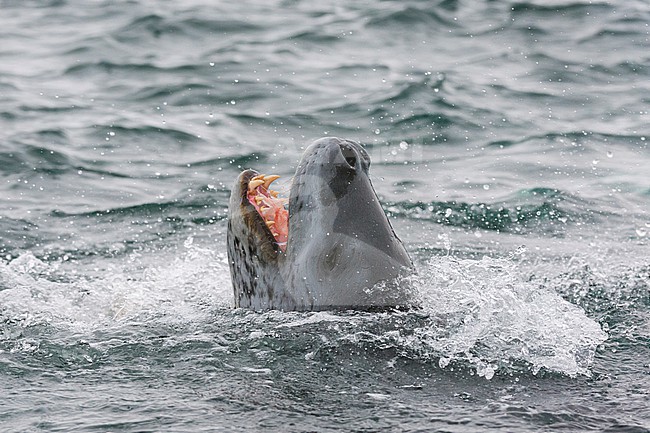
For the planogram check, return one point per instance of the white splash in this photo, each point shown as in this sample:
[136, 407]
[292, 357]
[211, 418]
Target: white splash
[478, 312]
[492, 316]
[180, 285]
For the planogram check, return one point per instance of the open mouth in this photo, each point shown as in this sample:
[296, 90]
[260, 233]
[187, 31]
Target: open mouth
[270, 207]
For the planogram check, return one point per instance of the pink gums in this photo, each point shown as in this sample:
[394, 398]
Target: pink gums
[272, 209]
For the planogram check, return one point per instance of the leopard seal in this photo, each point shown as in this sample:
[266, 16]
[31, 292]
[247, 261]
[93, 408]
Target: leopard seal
[337, 250]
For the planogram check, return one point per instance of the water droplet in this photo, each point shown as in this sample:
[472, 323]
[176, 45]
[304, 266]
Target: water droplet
[641, 232]
[211, 63]
[445, 241]
[486, 187]
[233, 102]
[610, 154]
[403, 145]
[377, 131]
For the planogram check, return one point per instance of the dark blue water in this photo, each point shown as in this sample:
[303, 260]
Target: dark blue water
[509, 143]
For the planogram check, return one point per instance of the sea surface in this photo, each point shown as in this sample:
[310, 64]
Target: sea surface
[509, 146]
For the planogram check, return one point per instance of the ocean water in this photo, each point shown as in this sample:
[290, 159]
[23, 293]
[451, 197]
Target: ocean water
[509, 146]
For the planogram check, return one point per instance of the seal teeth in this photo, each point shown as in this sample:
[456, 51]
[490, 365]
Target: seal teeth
[269, 224]
[259, 199]
[254, 184]
[268, 180]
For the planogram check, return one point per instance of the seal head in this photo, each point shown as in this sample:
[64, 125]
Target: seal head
[337, 250]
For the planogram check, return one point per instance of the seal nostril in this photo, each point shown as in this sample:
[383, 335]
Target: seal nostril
[350, 156]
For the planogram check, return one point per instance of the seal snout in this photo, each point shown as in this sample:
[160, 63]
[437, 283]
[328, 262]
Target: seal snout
[349, 155]
[343, 153]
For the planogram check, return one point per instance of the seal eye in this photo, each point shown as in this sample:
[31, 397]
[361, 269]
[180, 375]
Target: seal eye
[350, 156]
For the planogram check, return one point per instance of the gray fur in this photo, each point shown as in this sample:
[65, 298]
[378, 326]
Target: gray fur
[342, 251]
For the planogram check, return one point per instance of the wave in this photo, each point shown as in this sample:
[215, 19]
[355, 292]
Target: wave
[43, 151]
[409, 16]
[478, 315]
[608, 33]
[239, 160]
[50, 151]
[157, 26]
[7, 115]
[105, 66]
[191, 94]
[545, 209]
[579, 137]
[605, 290]
[423, 120]
[314, 36]
[625, 68]
[18, 234]
[207, 197]
[158, 134]
[568, 10]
